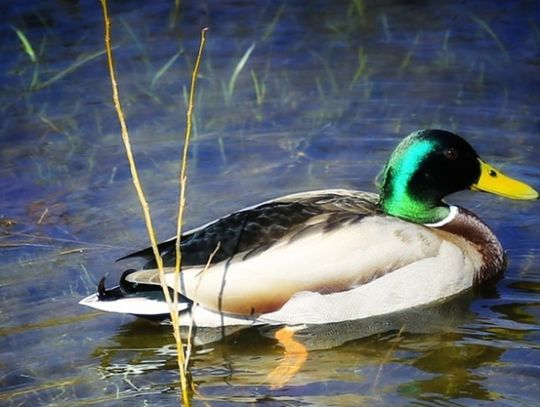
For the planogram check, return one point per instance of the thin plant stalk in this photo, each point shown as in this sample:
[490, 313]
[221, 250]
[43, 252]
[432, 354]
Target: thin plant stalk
[492, 34]
[27, 46]
[183, 182]
[73, 67]
[29, 50]
[229, 89]
[165, 68]
[144, 204]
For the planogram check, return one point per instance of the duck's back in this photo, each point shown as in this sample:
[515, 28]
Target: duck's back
[255, 229]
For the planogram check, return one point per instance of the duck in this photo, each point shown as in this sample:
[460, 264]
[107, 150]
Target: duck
[333, 255]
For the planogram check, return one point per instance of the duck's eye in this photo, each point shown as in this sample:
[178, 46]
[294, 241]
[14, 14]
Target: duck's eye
[451, 153]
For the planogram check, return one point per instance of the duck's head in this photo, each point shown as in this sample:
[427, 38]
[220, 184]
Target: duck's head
[430, 164]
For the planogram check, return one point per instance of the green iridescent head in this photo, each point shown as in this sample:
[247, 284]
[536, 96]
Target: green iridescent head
[431, 164]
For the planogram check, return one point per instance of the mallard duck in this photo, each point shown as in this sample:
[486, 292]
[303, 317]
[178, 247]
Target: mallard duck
[333, 255]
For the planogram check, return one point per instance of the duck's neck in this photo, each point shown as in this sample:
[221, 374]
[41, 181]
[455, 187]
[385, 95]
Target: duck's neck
[402, 205]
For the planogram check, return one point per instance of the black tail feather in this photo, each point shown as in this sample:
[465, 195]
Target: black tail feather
[111, 294]
[129, 289]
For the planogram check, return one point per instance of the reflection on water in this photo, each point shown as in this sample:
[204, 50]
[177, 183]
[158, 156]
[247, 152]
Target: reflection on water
[418, 352]
[327, 91]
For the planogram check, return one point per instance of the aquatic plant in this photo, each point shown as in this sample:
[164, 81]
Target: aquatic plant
[172, 303]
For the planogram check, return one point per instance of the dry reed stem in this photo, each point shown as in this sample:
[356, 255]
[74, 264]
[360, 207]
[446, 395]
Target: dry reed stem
[181, 357]
[173, 308]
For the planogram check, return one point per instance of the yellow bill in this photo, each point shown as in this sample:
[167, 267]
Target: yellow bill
[495, 182]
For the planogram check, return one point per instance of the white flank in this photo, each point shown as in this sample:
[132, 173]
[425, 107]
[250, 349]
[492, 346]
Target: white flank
[423, 282]
[326, 262]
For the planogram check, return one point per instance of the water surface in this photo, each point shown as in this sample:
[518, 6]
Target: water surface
[327, 91]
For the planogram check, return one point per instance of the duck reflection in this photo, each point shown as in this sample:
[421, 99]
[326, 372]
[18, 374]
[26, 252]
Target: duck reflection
[373, 351]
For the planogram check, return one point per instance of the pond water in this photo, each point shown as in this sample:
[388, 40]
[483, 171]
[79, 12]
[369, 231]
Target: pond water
[325, 91]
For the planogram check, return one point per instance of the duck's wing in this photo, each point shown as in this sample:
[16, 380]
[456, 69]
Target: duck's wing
[256, 228]
[328, 254]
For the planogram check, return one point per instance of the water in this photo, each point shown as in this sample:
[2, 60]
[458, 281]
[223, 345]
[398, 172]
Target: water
[326, 93]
